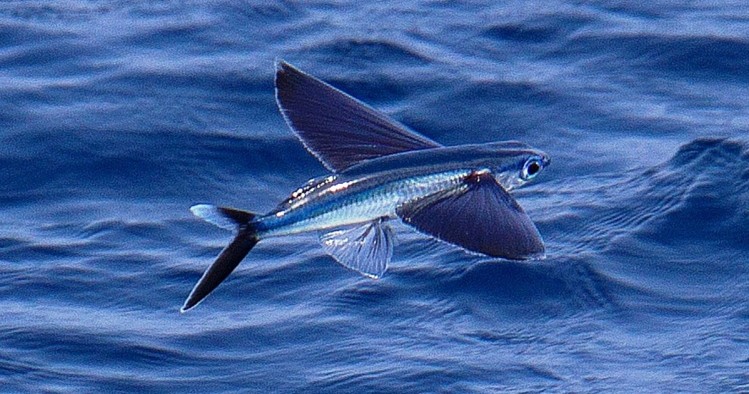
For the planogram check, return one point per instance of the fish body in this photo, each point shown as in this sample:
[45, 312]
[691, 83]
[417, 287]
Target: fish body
[377, 187]
[382, 171]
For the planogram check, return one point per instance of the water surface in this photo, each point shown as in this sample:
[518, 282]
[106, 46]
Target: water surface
[116, 117]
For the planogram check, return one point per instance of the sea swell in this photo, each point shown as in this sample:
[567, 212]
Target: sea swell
[117, 117]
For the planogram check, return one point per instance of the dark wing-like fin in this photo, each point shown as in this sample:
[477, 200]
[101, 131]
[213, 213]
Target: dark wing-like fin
[365, 248]
[479, 216]
[338, 129]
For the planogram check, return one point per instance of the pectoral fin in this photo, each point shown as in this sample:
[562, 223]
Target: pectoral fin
[479, 216]
[338, 129]
[365, 248]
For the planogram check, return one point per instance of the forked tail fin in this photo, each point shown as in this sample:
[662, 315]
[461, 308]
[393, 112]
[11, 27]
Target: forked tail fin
[244, 240]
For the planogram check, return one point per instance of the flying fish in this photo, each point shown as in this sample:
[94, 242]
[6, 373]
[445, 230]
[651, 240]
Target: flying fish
[380, 171]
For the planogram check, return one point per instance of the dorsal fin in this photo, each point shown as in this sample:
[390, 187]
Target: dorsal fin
[336, 128]
[309, 187]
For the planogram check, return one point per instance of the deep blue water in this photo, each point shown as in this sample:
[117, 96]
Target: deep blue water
[117, 116]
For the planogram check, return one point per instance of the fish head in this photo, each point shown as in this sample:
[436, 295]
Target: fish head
[515, 163]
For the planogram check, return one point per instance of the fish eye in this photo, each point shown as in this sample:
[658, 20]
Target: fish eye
[531, 168]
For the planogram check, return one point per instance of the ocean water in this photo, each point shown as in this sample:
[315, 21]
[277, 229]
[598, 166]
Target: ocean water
[117, 116]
